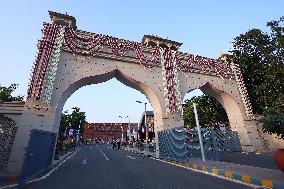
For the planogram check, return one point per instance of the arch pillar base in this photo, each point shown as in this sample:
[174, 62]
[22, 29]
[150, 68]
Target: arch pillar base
[18, 153]
[168, 122]
[254, 137]
[29, 120]
[249, 136]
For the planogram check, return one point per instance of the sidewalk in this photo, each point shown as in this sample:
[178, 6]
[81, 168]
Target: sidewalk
[262, 160]
[254, 175]
[245, 171]
[144, 152]
[6, 179]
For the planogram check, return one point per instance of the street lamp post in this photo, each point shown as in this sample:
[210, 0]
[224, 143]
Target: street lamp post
[128, 131]
[122, 125]
[199, 133]
[122, 132]
[145, 120]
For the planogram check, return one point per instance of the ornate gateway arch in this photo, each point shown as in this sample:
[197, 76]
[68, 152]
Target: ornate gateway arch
[69, 58]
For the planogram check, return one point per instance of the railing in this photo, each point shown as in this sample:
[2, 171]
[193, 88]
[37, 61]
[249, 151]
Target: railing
[172, 144]
[214, 142]
[8, 131]
[179, 144]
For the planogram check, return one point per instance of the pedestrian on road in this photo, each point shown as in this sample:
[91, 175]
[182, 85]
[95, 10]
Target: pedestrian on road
[118, 143]
[113, 143]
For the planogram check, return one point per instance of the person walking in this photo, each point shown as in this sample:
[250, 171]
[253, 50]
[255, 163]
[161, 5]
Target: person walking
[113, 143]
[118, 143]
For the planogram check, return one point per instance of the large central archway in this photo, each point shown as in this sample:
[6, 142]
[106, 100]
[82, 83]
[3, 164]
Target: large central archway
[88, 80]
[69, 59]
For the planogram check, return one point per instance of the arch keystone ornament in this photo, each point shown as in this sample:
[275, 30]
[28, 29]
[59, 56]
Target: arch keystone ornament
[69, 58]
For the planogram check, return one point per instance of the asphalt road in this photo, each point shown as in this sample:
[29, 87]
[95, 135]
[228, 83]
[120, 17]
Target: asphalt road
[99, 166]
[251, 159]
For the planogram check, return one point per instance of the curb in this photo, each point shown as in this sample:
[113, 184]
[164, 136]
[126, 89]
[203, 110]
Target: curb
[229, 174]
[226, 174]
[11, 178]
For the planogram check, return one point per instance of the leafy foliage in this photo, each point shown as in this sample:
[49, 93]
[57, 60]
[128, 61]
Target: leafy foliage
[210, 112]
[261, 59]
[273, 123]
[75, 120]
[6, 93]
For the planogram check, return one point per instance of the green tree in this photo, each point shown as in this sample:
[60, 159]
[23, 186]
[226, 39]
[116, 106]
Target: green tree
[6, 93]
[261, 57]
[64, 123]
[273, 123]
[75, 120]
[210, 112]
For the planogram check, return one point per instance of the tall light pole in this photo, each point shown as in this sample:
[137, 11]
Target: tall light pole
[145, 120]
[121, 127]
[123, 123]
[199, 132]
[128, 132]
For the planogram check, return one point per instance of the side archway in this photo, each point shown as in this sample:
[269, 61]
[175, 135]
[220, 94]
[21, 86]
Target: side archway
[233, 110]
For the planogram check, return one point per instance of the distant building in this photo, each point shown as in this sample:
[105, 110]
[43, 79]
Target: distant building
[150, 123]
[107, 131]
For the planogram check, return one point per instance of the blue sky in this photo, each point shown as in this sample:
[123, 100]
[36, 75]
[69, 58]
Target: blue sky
[205, 28]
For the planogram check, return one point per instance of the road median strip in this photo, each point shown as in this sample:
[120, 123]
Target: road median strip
[12, 178]
[230, 175]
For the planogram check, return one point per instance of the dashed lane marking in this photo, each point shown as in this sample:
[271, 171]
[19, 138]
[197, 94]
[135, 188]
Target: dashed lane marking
[84, 162]
[104, 154]
[130, 157]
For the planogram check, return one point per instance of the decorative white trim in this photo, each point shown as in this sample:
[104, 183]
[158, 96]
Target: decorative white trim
[242, 90]
[52, 67]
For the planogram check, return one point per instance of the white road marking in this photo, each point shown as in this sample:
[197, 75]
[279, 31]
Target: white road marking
[84, 162]
[10, 186]
[104, 154]
[55, 168]
[130, 157]
[44, 176]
